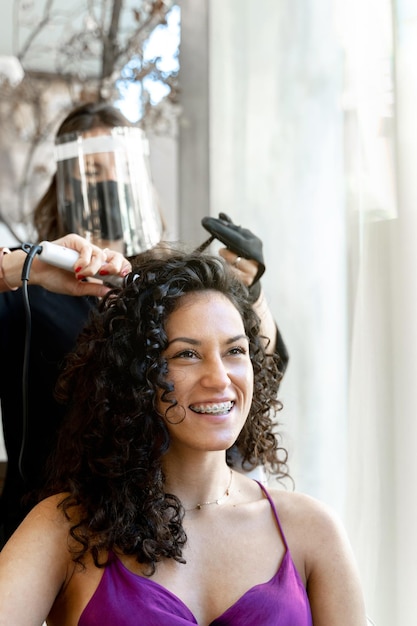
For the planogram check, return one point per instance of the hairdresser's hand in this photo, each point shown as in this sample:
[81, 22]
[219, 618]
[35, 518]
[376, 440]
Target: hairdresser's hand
[243, 251]
[245, 269]
[92, 260]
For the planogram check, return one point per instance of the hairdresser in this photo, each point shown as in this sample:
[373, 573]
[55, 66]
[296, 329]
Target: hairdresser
[102, 190]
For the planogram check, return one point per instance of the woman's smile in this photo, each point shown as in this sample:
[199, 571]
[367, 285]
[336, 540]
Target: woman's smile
[217, 408]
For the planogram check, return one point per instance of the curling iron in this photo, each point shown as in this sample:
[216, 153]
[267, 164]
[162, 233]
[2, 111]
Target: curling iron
[65, 258]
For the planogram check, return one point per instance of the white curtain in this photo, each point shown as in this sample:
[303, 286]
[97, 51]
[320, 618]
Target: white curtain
[367, 34]
[276, 167]
[313, 145]
[382, 476]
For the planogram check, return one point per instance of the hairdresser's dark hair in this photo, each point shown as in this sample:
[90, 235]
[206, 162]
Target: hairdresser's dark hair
[109, 452]
[84, 117]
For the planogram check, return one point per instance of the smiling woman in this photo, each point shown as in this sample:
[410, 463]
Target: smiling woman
[211, 373]
[168, 376]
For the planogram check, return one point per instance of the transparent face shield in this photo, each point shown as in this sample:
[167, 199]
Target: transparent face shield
[104, 187]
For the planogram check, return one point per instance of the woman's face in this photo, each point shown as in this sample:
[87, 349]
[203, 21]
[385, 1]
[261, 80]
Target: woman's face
[208, 362]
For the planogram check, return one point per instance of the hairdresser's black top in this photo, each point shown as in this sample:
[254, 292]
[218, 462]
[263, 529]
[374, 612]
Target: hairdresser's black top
[56, 321]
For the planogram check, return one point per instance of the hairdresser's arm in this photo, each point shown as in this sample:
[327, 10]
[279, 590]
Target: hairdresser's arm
[34, 565]
[246, 271]
[270, 329]
[92, 260]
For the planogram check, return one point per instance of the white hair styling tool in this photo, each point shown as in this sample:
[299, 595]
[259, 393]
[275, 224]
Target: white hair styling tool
[65, 258]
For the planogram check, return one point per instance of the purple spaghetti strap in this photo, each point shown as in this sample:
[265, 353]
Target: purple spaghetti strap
[274, 510]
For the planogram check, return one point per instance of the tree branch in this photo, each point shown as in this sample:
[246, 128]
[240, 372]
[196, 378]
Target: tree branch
[110, 45]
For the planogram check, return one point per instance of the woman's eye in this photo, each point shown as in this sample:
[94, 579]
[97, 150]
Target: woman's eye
[185, 354]
[238, 350]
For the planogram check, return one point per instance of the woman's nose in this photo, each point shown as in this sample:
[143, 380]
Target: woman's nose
[215, 373]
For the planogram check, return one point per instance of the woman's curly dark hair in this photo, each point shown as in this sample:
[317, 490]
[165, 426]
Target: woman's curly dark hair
[108, 459]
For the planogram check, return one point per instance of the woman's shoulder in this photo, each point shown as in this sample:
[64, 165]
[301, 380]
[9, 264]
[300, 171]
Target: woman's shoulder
[299, 505]
[43, 534]
[50, 503]
[302, 515]
[48, 515]
[313, 529]
[322, 553]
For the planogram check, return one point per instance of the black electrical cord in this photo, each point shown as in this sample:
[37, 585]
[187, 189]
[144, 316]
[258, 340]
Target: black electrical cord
[31, 250]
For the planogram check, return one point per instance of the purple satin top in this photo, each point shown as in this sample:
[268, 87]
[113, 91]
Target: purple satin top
[126, 599]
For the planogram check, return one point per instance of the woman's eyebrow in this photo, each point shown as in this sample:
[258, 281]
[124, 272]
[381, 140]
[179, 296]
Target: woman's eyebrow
[193, 342]
[233, 339]
[196, 342]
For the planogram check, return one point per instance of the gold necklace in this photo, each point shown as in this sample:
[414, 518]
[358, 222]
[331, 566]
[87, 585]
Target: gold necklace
[200, 505]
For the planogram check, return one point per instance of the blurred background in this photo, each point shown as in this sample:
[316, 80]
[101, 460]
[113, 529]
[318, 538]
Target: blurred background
[297, 119]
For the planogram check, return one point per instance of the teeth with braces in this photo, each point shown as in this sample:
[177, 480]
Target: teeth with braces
[221, 407]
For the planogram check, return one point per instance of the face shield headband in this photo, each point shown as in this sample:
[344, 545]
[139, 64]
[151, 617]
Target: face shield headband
[105, 191]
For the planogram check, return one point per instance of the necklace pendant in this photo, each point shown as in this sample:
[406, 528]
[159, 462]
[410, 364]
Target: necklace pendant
[198, 507]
